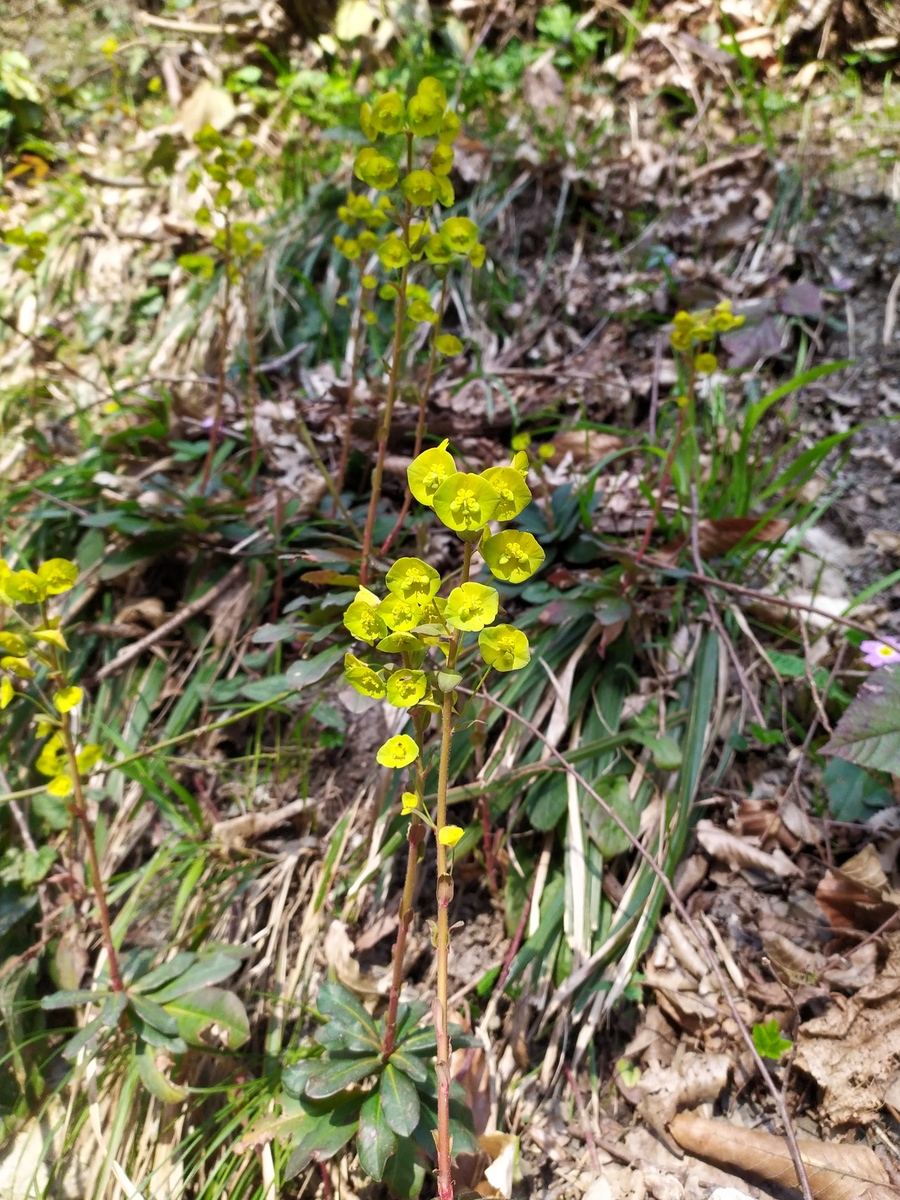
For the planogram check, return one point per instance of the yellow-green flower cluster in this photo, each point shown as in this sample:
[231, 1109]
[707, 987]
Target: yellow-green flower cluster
[413, 619]
[691, 330]
[33, 643]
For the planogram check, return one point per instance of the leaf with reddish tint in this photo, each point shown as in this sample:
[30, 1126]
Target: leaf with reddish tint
[802, 299]
[750, 343]
[321, 577]
[868, 733]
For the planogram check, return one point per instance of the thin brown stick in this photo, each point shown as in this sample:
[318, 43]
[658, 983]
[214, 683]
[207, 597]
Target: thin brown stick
[224, 316]
[716, 619]
[585, 1122]
[130, 653]
[689, 921]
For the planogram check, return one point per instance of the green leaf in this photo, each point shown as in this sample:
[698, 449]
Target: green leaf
[853, 794]
[547, 800]
[422, 1041]
[71, 999]
[336, 1075]
[271, 688]
[160, 975]
[73, 1046]
[768, 1040]
[211, 969]
[400, 1100]
[868, 733]
[294, 1078]
[153, 1079]
[343, 1007]
[197, 1013]
[410, 1065]
[666, 752]
[197, 264]
[323, 1132]
[311, 670]
[153, 1014]
[375, 1141]
[404, 1174]
[172, 1045]
[609, 837]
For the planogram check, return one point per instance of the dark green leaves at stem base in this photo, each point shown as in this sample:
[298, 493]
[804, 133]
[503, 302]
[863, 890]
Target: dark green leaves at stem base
[337, 1074]
[321, 1132]
[400, 1100]
[375, 1141]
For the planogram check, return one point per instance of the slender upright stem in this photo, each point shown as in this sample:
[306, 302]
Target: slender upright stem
[663, 485]
[359, 329]
[252, 363]
[423, 412]
[393, 381]
[79, 808]
[414, 837]
[442, 948]
[223, 360]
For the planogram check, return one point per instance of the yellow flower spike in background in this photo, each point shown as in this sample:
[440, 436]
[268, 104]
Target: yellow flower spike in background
[450, 835]
[413, 579]
[465, 502]
[18, 666]
[504, 648]
[471, 606]
[521, 441]
[60, 786]
[399, 614]
[67, 699]
[58, 574]
[363, 678]
[53, 637]
[512, 555]
[706, 363]
[52, 758]
[448, 344]
[88, 758]
[450, 129]
[514, 493]
[364, 623]
[398, 751]
[406, 688]
[7, 692]
[427, 472]
[13, 644]
[25, 587]
[409, 803]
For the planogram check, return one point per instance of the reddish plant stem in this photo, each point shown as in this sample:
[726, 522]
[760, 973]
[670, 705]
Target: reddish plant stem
[414, 837]
[253, 364]
[79, 810]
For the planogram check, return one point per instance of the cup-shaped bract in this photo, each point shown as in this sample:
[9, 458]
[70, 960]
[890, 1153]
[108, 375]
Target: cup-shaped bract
[364, 623]
[471, 606]
[514, 493]
[420, 188]
[399, 614]
[465, 502]
[413, 579]
[11, 643]
[363, 678]
[512, 555]
[428, 471]
[388, 113]
[504, 647]
[459, 234]
[398, 751]
[25, 587]
[67, 698]
[406, 688]
[441, 161]
[401, 643]
[58, 574]
[377, 170]
[393, 253]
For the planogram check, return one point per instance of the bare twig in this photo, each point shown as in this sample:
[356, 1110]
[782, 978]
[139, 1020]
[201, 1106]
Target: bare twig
[681, 909]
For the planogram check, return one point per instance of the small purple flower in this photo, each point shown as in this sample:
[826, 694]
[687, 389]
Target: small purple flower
[881, 654]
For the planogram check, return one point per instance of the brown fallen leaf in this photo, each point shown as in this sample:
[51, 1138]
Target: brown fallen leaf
[857, 895]
[835, 1171]
[720, 536]
[587, 446]
[740, 853]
